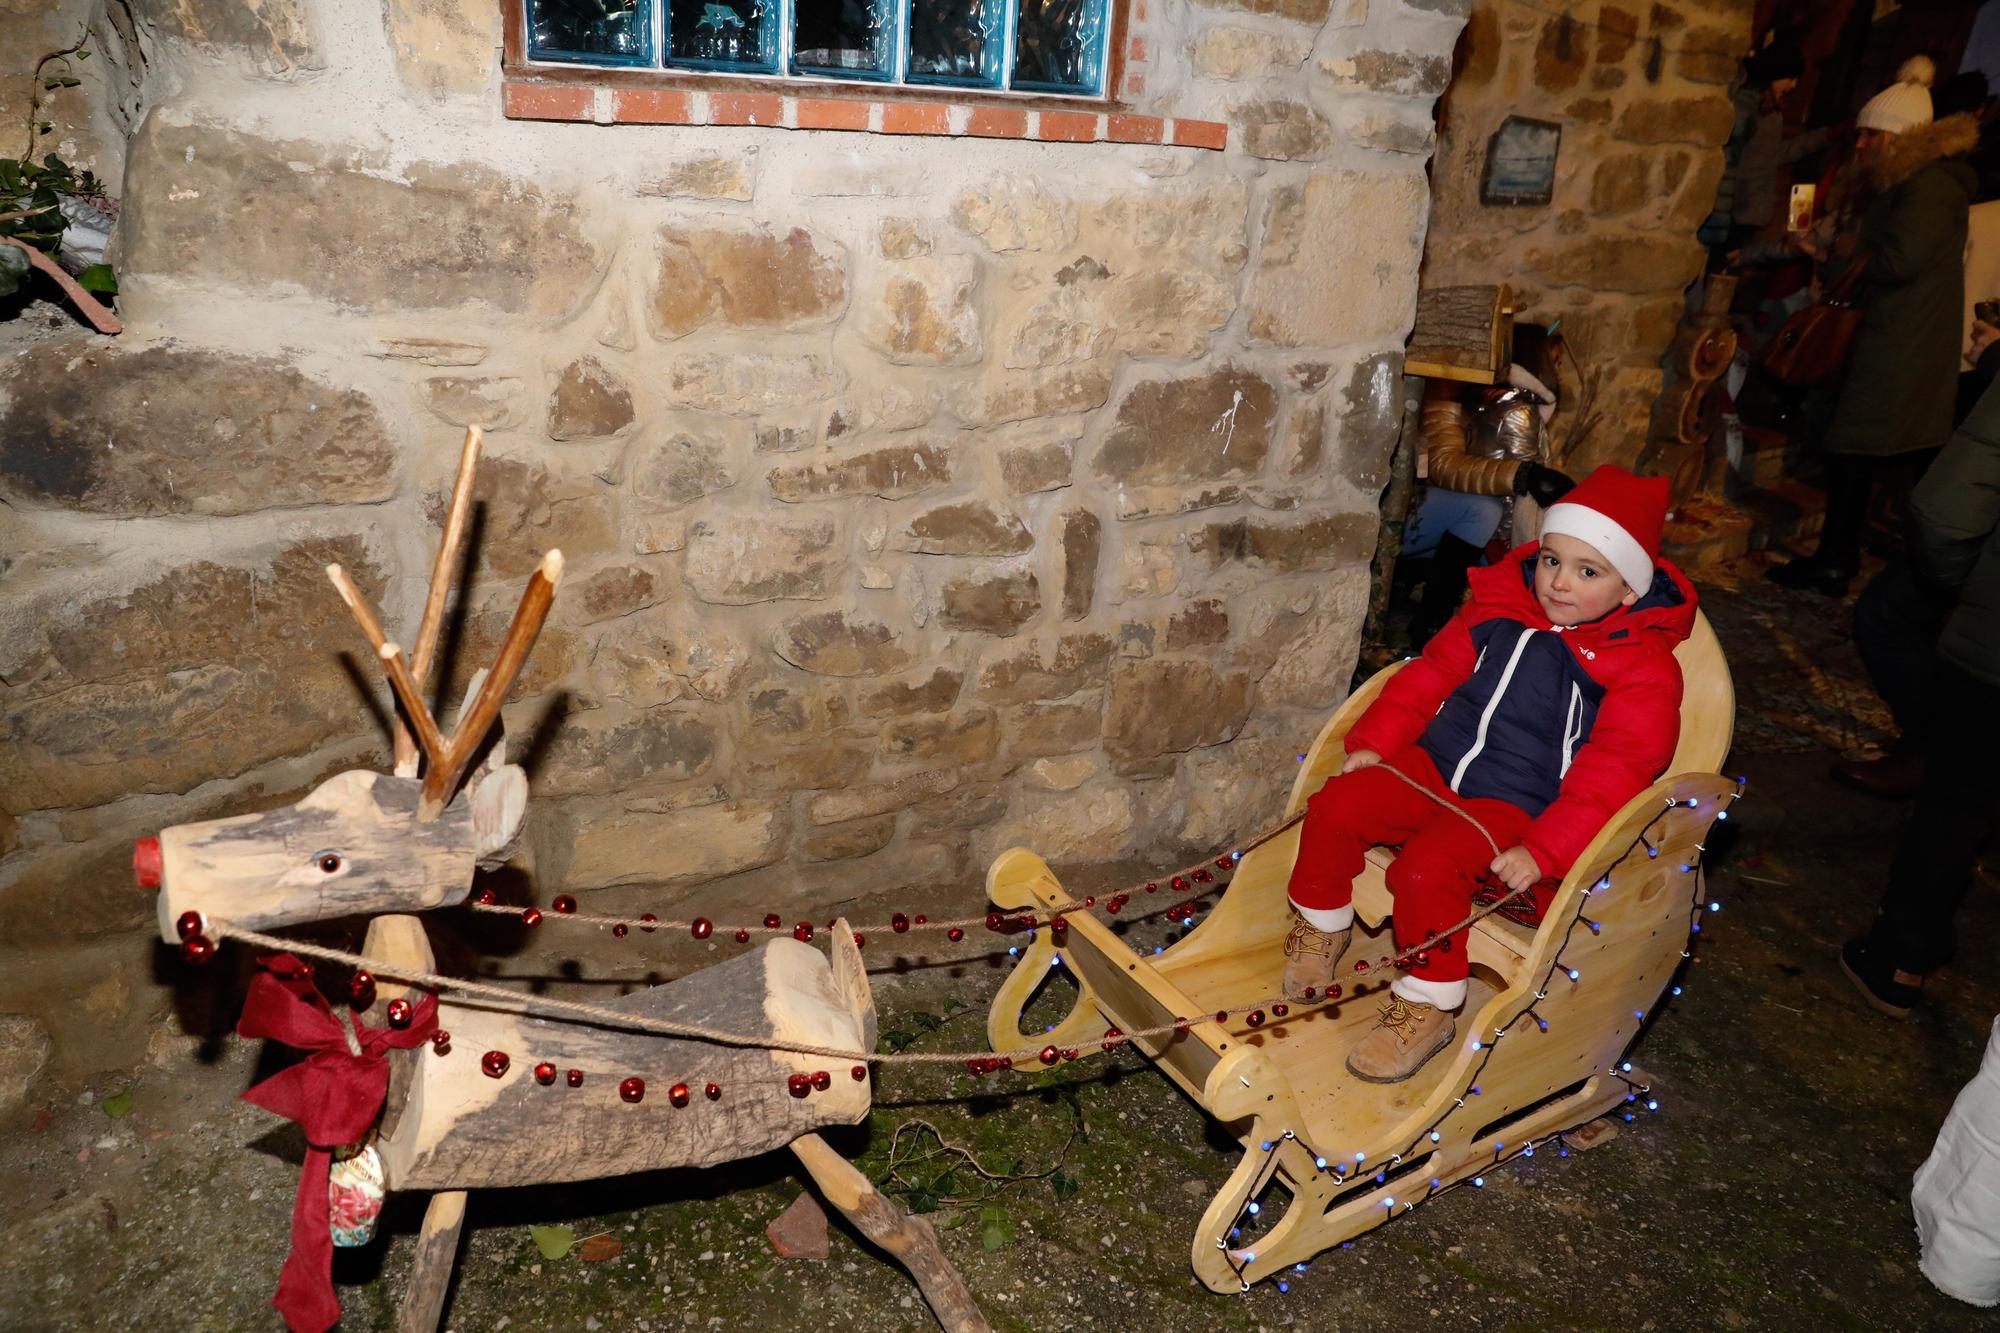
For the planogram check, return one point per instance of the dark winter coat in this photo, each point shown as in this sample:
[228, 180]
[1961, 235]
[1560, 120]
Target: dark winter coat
[1956, 537]
[1568, 724]
[1903, 373]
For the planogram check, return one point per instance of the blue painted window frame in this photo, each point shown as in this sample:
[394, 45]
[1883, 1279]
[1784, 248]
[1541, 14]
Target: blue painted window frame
[779, 24]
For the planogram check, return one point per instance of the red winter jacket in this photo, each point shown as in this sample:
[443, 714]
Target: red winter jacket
[1568, 724]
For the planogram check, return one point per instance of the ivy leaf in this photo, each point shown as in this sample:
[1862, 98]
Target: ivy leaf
[994, 1229]
[945, 1185]
[65, 82]
[923, 1201]
[98, 278]
[553, 1242]
[952, 1002]
[1064, 1185]
[119, 1104]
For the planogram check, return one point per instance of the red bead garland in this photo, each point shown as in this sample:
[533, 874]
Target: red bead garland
[1050, 1055]
[821, 1080]
[361, 990]
[632, 1090]
[772, 920]
[677, 1095]
[619, 931]
[702, 928]
[574, 1078]
[486, 897]
[441, 1042]
[860, 1073]
[190, 924]
[799, 1085]
[803, 931]
[197, 949]
[713, 1092]
[742, 937]
[400, 1014]
[647, 921]
[494, 1064]
[899, 923]
[531, 917]
[564, 904]
[545, 1074]
[954, 934]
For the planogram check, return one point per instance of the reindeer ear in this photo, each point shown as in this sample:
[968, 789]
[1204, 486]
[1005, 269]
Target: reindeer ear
[499, 799]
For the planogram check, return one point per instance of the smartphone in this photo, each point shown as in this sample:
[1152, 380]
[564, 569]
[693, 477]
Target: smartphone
[1800, 217]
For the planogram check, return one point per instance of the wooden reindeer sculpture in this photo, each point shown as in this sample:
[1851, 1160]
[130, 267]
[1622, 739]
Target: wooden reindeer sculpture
[497, 1097]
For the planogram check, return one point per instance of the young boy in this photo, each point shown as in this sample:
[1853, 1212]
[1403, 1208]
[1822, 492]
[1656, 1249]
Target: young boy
[1549, 701]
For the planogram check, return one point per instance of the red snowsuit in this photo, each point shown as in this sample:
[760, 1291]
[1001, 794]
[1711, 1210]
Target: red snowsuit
[1539, 732]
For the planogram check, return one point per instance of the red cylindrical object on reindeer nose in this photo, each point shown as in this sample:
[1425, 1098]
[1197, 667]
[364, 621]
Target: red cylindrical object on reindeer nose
[148, 866]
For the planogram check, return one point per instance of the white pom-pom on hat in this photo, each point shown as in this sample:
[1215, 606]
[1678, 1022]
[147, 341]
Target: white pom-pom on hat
[1920, 70]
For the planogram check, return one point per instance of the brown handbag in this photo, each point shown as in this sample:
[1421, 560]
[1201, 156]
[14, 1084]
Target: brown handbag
[1812, 346]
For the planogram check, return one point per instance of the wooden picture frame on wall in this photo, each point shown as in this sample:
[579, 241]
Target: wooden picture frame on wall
[1521, 163]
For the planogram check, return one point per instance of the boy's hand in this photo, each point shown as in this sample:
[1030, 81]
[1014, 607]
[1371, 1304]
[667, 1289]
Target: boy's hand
[1360, 759]
[1516, 868]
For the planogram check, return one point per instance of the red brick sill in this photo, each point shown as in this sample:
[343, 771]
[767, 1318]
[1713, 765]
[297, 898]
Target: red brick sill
[533, 99]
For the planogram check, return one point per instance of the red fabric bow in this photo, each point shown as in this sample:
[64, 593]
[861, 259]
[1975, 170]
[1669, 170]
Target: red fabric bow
[335, 1096]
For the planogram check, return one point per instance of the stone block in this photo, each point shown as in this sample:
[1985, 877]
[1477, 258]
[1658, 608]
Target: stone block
[744, 278]
[28, 1048]
[733, 177]
[1313, 12]
[924, 313]
[1315, 661]
[880, 798]
[1326, 542]
[903, 238]
[1617, 30]
[1044, 466]
[1370, 418]
[1016, 212]
[1199, 624]
[164, 431]
[932, 694]
[1049, 669]
[972, 737]
[1018, 396]
[1704, 121]
[1562, 53]
[432, 351]
[1709, 54]
[841, 842]
[737, 560]
[1305, 438]
[996, 604]
[1324, 281]
[828, 762]
[1407, 73]
[706, 842]
[273, 35]
[1062, 726]
[1074, 826]
[1160, 706]
[443, 48]
[1482, 47]
[1202, 428]
[214, 205]
[1386, 126]
[748, 384]
[1246, 53]
[1282, 129]
[588, 402]
[1620, 182]
[664, 475]
[614, 747]
[1697, 194]
[1082, 539]
[839, 643]
[1065, 774]
[527, 509]
[890, 472]
[490, 402]
[967, 527]
[203, 672]
[615, 592]
[1633, 262]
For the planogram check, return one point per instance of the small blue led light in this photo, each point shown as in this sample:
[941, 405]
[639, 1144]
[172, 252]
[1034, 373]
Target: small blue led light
[1478, 1183]
[1050, 1028]
[1573, 974]
[1697, 927]
[1475, 1089]
[1238, 856]
[1686, 868]
[1604, 883]
[1302, 759]
[1653, 853]
[1652, 1105]
[1267, 1145]
[1627, 1117]
[1249, 1256]
[1435, 1182]
[1320, 1162]
[1677, 990]
[1722, 814]
[1477, 1045]
[1159, 948]
[1541, 1023]
[1528, 1151]
[1715, 907]
[1436, 1137]
[1388, 1203]
[1595, 928]
[1381, 1177]
[1626, 1067]
[1499, 1148]
[1298, 1268]
[1013, 951]
[1693, 803]
[1234, 1232]
[1253, 1208]
[1284, 1287]
[1562, 1151]
[1639, 1014]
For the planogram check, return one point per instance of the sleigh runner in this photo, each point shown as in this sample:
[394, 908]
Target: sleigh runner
[1551, 1009]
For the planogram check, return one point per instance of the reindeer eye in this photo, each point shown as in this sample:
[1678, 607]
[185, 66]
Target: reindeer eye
[329, 862]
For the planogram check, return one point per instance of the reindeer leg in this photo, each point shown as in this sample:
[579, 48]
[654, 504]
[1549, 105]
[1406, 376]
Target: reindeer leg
[437, 1254]
[909, 1240]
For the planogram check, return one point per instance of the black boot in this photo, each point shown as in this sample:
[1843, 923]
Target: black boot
[1813, 574]
[1886, 988]
[1444, 587]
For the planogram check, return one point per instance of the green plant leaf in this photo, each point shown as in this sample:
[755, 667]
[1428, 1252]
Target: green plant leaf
[119, 1104]
[922, 1201]
[98, 278]
[994, 1229]
[553, 1242]
[1064, 1185]
[13, 269]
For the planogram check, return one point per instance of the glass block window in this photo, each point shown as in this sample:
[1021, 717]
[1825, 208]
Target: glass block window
[1039, 46]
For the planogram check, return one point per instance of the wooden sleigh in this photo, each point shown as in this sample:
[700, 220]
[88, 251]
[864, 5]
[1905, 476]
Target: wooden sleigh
[1550, 1014]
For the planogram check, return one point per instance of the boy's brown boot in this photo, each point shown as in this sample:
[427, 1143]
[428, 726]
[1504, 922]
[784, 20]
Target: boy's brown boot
[1407, 1034]
[1311, 955]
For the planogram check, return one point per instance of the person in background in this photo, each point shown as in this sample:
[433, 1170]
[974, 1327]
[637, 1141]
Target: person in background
[1894, 405]
[1762, 183]
[1955, 548]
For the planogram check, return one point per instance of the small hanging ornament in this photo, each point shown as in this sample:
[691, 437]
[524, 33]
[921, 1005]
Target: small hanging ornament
[1280, 1010]
[954, 934]
[574, 1078]
[620, 931]
[632, 1090]
[197, 949]
[531, 917]
[899, 923]
[860, 940]
[821, 1080]
[190, 924]
[1113, 1039]
[920, 918]
[494, 1064]
[400, 1014]
[803, 931]
[994, 921]
[1255, 1018]
[361, 990]
[702, 928]
[1050, 1055]
[799, 1085]
[545, 1074]
[713, 1092]
[564, 904]
[677, 1095]
[1152, 886]
[647, 922]
[742, 937]
[486, 897]
[859, 1073]
[441, 1042]
[772, 920]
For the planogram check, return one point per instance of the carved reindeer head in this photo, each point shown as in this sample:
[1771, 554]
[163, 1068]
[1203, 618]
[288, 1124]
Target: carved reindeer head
[365, 842]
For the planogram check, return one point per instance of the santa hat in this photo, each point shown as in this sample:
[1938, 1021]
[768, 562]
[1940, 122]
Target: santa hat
[1904, 104]
[1618, 513]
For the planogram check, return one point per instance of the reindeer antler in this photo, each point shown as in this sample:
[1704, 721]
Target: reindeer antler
[446, 760]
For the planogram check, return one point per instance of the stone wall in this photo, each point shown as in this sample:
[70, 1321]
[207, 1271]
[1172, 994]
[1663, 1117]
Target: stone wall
[1642, 94]
[920, 496]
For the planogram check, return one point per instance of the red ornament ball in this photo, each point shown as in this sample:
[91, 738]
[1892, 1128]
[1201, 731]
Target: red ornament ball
[197, 949]
[620, 931]
[494, 1063]
[1255, 1018]
[1152, 886]
[899, 923]
[1059, 925]
[678, 1095]
[190, 924]
[531, 917]
[1361, 965]
[994, 920]
[713, 1092]
[632, 1090]
[1333, 992]
[1114, 904]
[1202, 876]
[921, 918]
[647, 922]
[1069, 1053]
[860, 940]
[1222, 863]
[361, 990]
[859, 1073]
[1050, 1055]
[803, 931]
[564, 904]
[1312, 992]
[1183, 1026]
[1222, 1015]
[821, 1080]
[1280, 1010]
[486, 897]
[1444, 945]
[954, 934]
[772, 921]
[702, 928]
[545, 1074]
[1180, 885]
[975, 1066]
[1090, 901]
[742, 937]
[441, 1042]
[799, 1085]
[400, 1014]
[574, 1078]
[1423, 958]
[1113, 1039]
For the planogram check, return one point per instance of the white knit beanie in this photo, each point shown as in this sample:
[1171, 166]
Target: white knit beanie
[1904, 104]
